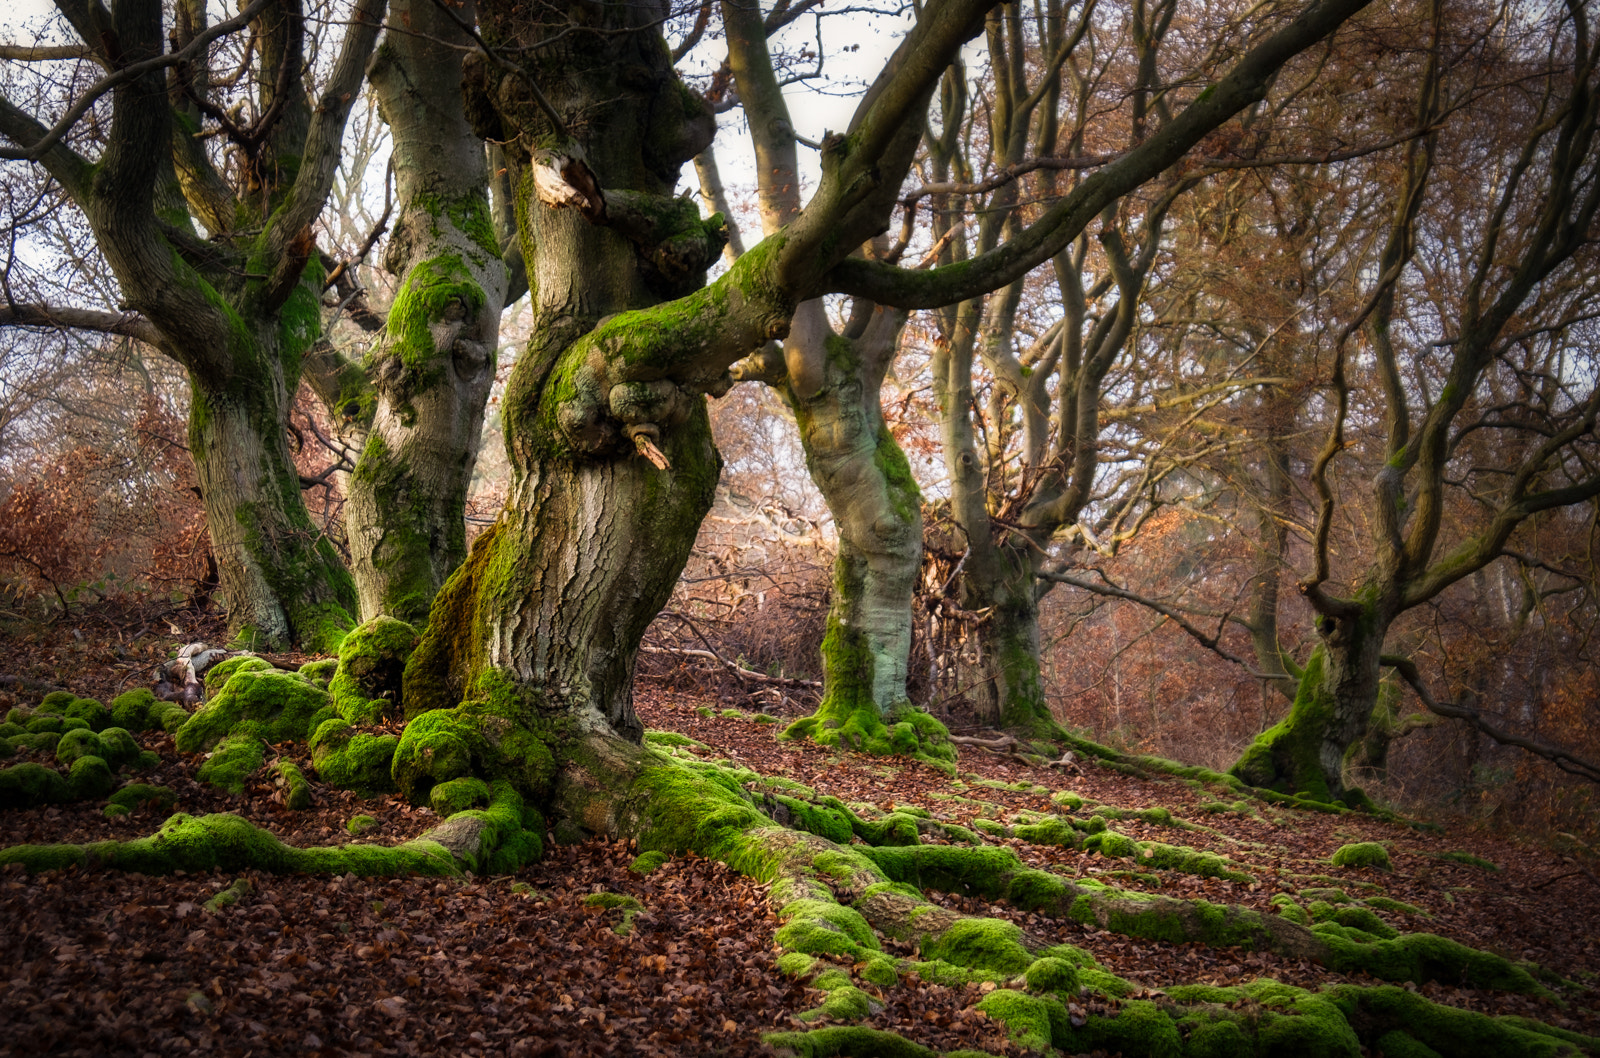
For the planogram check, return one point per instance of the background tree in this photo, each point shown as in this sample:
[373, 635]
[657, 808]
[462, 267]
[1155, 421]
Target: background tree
[236, 306]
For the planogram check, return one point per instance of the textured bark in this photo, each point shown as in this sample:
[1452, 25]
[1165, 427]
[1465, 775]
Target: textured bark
[283, 580]
[238, 309]
[832, 381]
[1306, 752]
[434, 366]
[865, 479]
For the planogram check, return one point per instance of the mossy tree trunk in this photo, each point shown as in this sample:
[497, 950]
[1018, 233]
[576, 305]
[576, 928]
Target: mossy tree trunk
[238, 308]
[607, 433]
[832, 380]
[1305, 753]
[433, 366]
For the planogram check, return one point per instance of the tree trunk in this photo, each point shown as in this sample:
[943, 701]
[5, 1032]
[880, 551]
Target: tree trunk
[1305, 753]
[284, 582]
[1011, 694]
[877, 508]
[433, 369]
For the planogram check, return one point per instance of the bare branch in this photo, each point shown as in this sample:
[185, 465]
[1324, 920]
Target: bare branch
[1559, 757]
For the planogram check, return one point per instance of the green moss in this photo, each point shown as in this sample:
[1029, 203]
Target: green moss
[1467, 858]
[1051, 974]
[1383, 903]
[1286, 756]
[856, 1041]
[985, 871]
[235, 759]
[818, 927]
[1362, 854]
[30, 785]
[321, 671]
[360, 824]
[1026, 1018]
[56, 702]
[458, 795]
[227, 897]
[80, 743]
[372, 661]
[352, 759]
[131, 709]
[40, 725]
[980, 943]
[227, 842]
[647, 862]
[168, 716]
[1290, 910]
[119, 747]
[297, 791]
[843, 1003]
[281, 703]
[90, 778]
[218, 675]
[90, 711]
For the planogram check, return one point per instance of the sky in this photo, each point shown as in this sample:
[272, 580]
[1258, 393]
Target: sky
[815, 107]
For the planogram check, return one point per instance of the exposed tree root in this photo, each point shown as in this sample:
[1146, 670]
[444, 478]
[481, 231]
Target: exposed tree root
[845, 876]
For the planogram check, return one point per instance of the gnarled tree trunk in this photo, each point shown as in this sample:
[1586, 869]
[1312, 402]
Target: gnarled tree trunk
[433, 368]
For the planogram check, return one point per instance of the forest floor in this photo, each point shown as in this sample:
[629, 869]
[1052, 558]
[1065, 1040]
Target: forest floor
[116, 963]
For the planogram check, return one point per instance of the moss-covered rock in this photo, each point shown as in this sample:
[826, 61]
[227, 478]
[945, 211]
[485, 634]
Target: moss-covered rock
[28, 785]
[45, 722]
[90, 711]
[648, 862]
[1362, 854]
[79, 743]
[218, 675]
[353, 760]
[360, 824]
[1051, 974]
[280, 703]
[90, 778]
[321, 671]
[458, 795]
[130, 710]
[56, 702]
[235, 759]
[372, 661]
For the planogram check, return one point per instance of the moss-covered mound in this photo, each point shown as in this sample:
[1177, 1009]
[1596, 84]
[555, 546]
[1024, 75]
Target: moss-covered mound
[351, 759]
[372, 661]
[275, 706]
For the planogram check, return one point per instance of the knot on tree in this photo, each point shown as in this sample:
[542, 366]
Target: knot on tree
[675, 245]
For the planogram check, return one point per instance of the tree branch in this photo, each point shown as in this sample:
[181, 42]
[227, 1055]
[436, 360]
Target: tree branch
[1243, 85]
[126, 324]
[1559, 757]
[36, 149]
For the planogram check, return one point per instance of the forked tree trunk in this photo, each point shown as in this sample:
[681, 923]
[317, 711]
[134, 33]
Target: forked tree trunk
[434, 366]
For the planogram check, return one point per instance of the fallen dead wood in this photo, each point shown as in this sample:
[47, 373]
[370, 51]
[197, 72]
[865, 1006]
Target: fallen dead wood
[738, 671]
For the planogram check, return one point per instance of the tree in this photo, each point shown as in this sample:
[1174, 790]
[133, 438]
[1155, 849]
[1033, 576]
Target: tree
[831, 380]
[1510, 293]
[237, 306]
[539, 630]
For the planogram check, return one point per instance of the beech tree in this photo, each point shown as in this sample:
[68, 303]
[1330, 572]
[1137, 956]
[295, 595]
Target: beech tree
[221, 275]
[1510, 289]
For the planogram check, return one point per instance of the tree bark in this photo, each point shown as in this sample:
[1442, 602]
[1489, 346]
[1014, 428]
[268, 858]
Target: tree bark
[434, 366]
